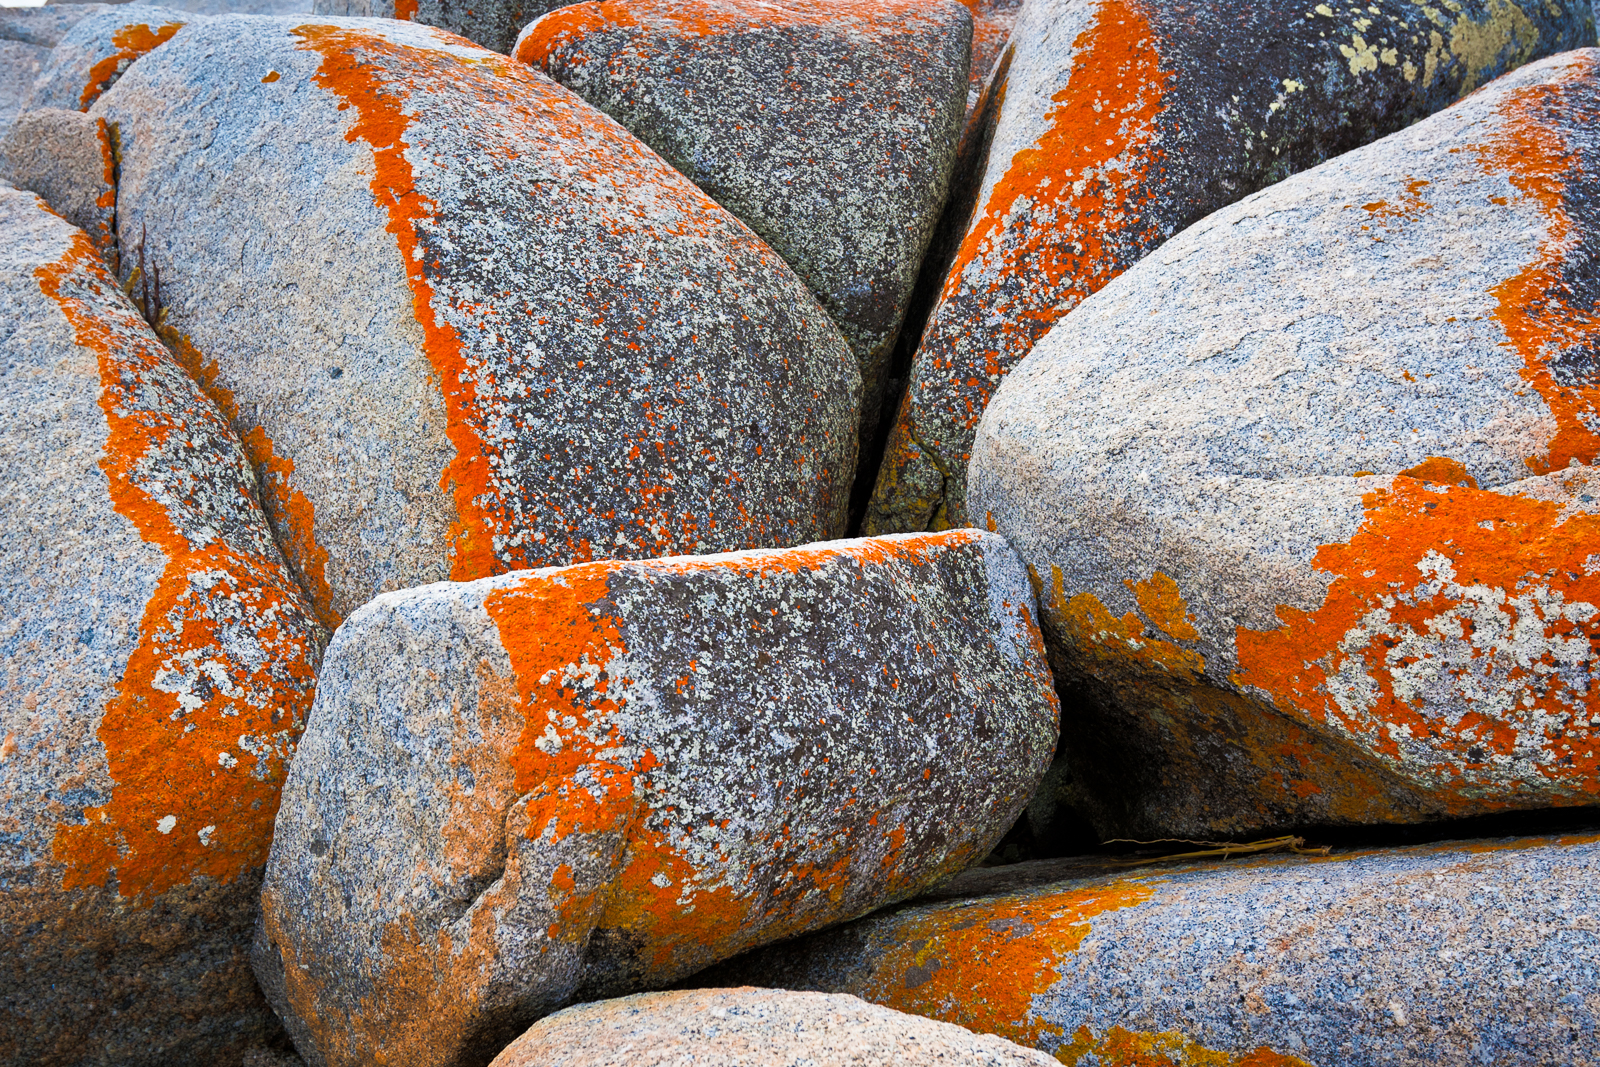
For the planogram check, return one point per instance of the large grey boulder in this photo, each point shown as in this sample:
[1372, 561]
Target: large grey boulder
[463, 321]
[1309, 490]
[754, 1028]
[829, 128]
[1117, 127]
[157, 661]
[571, 783]
[1460, 953]
[26, 36]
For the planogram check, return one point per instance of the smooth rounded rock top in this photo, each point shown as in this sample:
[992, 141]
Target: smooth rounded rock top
[754, 1028]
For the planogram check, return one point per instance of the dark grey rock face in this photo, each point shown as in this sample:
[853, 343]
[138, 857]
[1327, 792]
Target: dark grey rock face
[564, 784]
[830, 128]
[1478, 952]
[157, 661]
[464, 321]
[1312, 490]
[1119, 126]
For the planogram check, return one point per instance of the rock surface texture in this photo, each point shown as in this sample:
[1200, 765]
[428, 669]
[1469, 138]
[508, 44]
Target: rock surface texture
[492, 23]
[463, 321]
[830, 128]
[157, 661]
[98, 50]
[66, 157]
[1120, 122]
[754, 1028]
[570, 783]
[1309, 493]
[992, 21]
[1461, 953]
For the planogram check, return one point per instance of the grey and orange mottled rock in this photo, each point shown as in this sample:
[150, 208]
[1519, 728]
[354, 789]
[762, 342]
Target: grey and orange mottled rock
[992, 21]
[1120, 122]
[157, 662]
[1468, 952]
[1310, 490]
[66, 157]
[491, 23]
[570, 783]
[463, 321]
[754, 1028]
[829, 127]
[98, 50]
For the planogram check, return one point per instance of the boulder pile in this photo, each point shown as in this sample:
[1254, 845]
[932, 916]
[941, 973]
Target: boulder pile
[811, 532]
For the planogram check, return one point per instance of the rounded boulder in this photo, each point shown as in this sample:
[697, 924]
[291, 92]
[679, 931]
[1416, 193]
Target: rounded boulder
[1310, 490]
[463, 321]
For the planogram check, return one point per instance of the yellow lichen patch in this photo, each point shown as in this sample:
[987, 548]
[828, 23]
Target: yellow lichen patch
[1163, 605]
[981, 968]
[1504, 40]
[197, 736]
[1094, 630]
[1131, 1048]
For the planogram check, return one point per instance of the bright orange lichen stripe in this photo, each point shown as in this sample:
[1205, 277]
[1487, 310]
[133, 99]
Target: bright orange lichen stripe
[1474, 582]
[1118, 1047]
[981, 967]
[1084, 184]
[350, 70]
[130, 43]
[697, 18]
[1533, 307]
[291, 511]
[162, 758]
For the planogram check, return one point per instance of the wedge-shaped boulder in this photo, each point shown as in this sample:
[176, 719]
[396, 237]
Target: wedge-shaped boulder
[68, 159]
[1309, 490]
[576, 782]
[754, 1028]
[98, 50]
[829, 128]
[463, 321]
[1119, 124]
[1472, 952]
[157, 662]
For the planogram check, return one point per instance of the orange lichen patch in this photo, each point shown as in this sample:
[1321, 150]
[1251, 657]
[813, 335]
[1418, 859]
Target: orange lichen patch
[405, 10]
[104, 233]
[351, 70]
[1457, 639]
[981, 967]
[1067, 208]
[1391, 217]
[1163, 605]
[291, 512]
[1442, 471]
[130, 43]
[1169, 704]
[1534, 305]
[197, 739]
[1131, 1048]
[698, 18]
